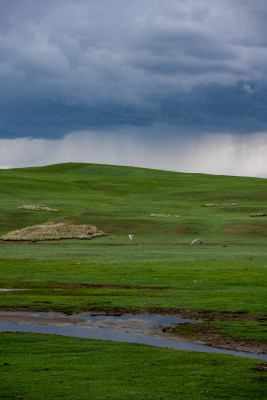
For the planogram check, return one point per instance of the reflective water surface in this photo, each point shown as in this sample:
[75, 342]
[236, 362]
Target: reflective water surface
[142, 329]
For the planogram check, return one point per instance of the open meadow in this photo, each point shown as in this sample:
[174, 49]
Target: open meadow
[222, 282]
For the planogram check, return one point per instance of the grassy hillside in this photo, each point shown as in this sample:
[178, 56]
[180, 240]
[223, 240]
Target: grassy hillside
[223, 282]
[120, 200]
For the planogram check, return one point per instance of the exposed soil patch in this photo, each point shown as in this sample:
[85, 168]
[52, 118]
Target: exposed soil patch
[34, 242]
[183, 313]
[38, 318]
[246, 228]
[60, 285]
[261, 367]
[206, 333]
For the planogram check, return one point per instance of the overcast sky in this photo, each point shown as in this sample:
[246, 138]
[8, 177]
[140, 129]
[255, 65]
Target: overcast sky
[168, 84]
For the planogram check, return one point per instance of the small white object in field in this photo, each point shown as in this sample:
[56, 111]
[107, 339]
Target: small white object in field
[195, 241]
[130, 237]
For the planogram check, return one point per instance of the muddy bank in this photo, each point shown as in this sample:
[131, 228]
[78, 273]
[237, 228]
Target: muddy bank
[180, 312]
[201, 332]
[204, 332]
[40, 318]
[207, 334]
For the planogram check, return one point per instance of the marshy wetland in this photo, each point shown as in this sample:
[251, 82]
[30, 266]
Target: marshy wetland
[220, 284]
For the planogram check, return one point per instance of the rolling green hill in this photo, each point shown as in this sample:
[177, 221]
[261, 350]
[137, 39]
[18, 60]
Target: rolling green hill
[161, 209]
[223, 285]
[120, 200]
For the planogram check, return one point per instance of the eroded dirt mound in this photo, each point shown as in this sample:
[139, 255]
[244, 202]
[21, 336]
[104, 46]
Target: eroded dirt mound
[54, 231]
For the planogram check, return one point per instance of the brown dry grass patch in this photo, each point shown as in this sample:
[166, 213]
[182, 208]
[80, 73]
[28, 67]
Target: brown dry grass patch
[37, 207]
[246, 228]
[165, 215]
[54, 231]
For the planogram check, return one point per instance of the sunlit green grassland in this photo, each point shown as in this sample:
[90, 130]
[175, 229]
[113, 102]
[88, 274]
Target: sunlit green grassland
[159, 269]
[37, 367]
[119, 201]
[227, 273]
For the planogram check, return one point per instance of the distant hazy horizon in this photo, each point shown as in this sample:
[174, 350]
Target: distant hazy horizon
[211, 154]
[177, 85]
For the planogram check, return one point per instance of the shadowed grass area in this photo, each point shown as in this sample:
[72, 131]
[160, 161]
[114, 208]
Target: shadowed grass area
[48, 367]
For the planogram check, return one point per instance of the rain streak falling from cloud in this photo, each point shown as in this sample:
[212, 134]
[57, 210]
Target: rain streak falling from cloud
[164, 82]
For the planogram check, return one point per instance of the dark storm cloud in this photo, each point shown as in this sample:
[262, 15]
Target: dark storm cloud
[72, 65]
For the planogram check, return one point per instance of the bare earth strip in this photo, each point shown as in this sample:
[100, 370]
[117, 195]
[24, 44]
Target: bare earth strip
[22, 242]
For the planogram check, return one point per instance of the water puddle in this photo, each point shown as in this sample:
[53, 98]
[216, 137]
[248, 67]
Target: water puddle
[142, 329]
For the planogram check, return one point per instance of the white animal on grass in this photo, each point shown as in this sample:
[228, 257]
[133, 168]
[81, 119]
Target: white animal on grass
[130, 237]
[197, 241]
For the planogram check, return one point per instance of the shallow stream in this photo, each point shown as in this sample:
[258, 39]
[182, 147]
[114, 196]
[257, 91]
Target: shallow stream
[143, 329]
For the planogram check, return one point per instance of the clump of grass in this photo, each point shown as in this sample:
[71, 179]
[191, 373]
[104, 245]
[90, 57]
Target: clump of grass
[229, 204]
[165, 215]
[56, 231]
[36, 207]
[222, 204]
